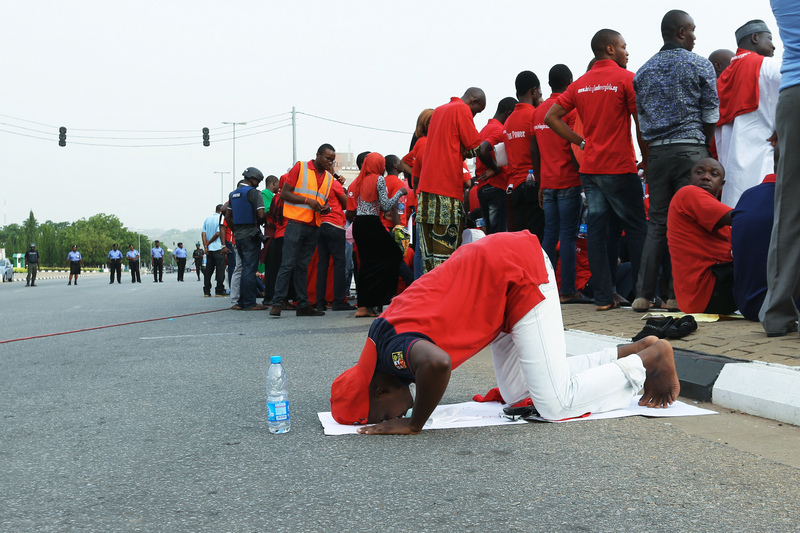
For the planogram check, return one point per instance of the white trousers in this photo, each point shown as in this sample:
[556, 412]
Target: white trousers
[532, 362]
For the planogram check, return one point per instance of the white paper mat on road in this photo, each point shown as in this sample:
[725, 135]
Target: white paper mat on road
[634, 409]
[476, 414]
[457, 415]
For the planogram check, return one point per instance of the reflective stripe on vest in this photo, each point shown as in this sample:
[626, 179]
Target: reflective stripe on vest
[306, 187]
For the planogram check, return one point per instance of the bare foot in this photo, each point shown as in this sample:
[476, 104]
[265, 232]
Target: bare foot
[661, 386]
[625, 350]
[364, 312]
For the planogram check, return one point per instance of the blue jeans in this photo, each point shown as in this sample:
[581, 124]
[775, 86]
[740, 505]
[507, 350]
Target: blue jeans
[299, 243]
[608, 195]
[562, 217]
[248, 249]
[494, 205]
[331, 244]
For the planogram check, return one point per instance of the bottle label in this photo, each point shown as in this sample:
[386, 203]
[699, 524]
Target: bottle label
[278, 411]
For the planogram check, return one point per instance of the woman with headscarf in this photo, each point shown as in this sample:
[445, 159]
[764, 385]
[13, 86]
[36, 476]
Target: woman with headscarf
[379, 255]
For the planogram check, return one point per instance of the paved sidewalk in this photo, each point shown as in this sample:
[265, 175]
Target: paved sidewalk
[738, 338]
[730, 362]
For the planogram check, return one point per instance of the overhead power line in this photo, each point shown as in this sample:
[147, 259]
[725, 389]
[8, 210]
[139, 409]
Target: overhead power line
[254, 128]
[353, 125]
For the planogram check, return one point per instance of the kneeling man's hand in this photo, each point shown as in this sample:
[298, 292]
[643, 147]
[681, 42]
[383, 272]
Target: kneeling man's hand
[397, 426]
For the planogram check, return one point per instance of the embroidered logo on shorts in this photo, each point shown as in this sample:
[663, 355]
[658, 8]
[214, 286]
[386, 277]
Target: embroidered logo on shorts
[399, 361]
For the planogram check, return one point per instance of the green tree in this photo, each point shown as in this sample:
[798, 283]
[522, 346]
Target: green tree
[30, 230]
[11, 238]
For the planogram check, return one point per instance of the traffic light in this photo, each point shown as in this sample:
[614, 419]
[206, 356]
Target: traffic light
[206, 141]
[62, 136]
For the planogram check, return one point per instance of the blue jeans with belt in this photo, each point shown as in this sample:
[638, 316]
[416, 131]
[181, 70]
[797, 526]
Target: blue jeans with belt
[494, 205]
[248, 250]
[608, 195]
[562, 216]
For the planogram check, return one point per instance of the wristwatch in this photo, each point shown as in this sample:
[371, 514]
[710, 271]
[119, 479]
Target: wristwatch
[583, 144]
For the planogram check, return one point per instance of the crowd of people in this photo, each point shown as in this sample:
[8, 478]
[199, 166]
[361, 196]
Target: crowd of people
[704, 245]
[557, 188]
[563, 168]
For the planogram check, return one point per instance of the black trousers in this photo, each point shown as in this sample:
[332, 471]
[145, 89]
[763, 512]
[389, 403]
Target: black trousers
[722, 302]
[115, 265]
[525, 212]
[181, 267]
[158, 268]
[134, 266]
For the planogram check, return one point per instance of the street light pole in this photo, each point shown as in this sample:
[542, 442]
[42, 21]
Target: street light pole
[233, 173]
[221, 193]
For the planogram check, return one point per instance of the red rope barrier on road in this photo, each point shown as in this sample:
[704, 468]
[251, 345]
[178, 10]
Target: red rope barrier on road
[109, 326]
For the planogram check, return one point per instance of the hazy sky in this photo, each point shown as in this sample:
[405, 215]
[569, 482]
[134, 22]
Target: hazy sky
[155, 73]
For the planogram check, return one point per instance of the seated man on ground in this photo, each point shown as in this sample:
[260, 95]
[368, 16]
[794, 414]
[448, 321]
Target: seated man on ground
[699, 236]
[517, 312]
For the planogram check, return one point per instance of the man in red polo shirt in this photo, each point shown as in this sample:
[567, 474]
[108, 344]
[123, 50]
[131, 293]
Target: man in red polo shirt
[525, 210]
[492, 190]
[605, 100]
[452, 137]
[560, 186]
[332, 245]
[699, 235]
[516, 311]
[305, 199]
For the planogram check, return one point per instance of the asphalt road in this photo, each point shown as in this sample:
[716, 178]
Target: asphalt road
[160, 425]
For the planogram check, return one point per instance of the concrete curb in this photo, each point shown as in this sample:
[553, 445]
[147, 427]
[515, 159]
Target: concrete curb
[764, 389]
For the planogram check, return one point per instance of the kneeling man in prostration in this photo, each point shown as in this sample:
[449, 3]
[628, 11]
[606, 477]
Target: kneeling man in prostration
[447, 316]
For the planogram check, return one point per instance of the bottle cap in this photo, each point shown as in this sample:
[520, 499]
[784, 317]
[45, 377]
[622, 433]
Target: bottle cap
[275, 359]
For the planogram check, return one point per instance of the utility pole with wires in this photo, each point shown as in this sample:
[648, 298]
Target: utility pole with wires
[234, 124]
[221, 191]
[294, 137]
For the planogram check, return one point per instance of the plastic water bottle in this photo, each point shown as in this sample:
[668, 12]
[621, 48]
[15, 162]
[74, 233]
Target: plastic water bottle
[584, 228]
[277, 397]
[530, 179]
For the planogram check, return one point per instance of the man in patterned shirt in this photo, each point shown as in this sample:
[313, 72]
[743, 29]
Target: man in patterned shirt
[676, 98]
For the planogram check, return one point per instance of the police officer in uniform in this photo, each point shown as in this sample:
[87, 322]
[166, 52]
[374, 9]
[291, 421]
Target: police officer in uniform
[245, 214]
[133, 264]
[32, 262]
[115, 264]
[157, 257]
[197, 255]
[180, 257]
[75, 262]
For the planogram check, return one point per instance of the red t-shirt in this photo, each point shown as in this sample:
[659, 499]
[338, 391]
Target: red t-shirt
[352, 201]
[418, 154]
[605, 100]
[695, 246]
[557, 167]
[493, 134]
[462, 316]
[280, 227]
[474, 202]
[414, 160]
[451, 128]
[336, 214]
[518, 129]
